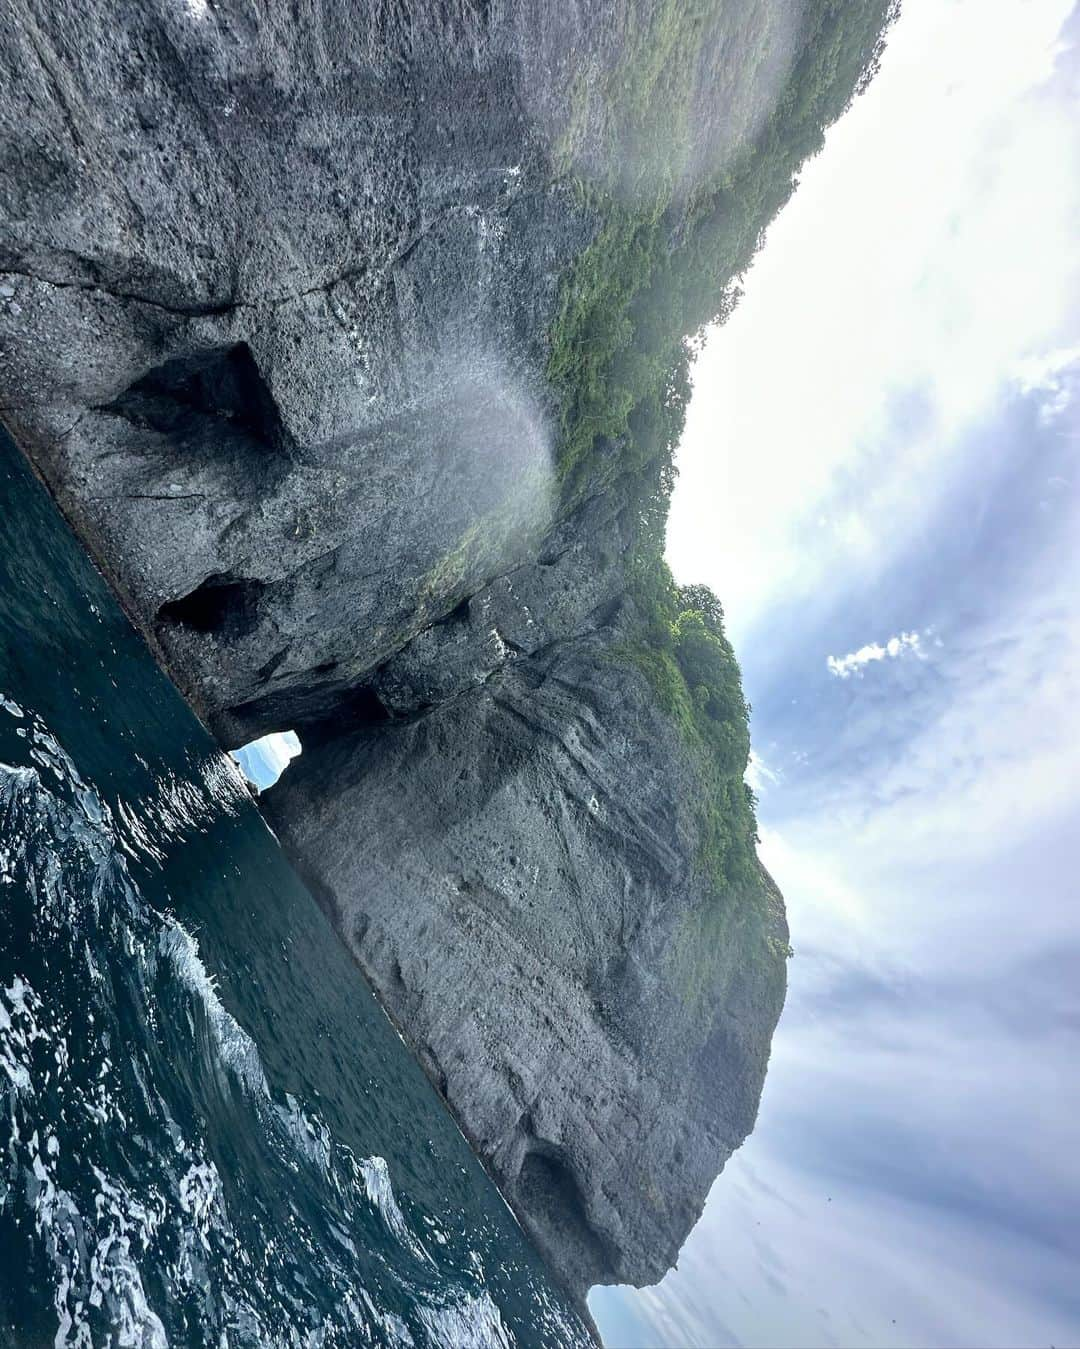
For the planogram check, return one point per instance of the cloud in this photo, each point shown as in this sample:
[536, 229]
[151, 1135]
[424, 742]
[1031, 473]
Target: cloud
[888, 312]
[263, 761]
[878, 434]
[968, 759]
[1047, 375]
[759, 775]
[854, 662]
[912, 1179]
[812, 1258]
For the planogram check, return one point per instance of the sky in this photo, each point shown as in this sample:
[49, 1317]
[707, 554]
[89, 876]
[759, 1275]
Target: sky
[879, 477]
[264, 760]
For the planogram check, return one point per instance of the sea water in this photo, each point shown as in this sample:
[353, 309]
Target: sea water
[209, 1132]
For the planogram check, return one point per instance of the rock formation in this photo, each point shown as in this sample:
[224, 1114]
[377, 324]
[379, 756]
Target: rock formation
[277, 293]
[515, 871]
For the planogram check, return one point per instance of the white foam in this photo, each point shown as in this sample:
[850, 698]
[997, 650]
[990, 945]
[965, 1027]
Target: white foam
[376, 1176]
[66, 846]
[473, 1322]
[234, 1045]
[11, 707]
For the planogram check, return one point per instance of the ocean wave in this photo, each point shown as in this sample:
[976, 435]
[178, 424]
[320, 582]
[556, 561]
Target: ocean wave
[469, 1323]
[234, 1046]
[376, 1176]
[133, 1218]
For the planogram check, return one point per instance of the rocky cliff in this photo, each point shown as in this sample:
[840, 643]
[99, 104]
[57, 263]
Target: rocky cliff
[515, 871]
[352, 341]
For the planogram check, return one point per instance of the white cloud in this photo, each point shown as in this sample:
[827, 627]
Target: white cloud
[960, 827]
[263, 761]
[893, 1192]
[997, 760]
[1046, 374]
[930, 249]
[924, 275]
[1044, 371]
[853, 663]
[759, 775]
[785, 1256]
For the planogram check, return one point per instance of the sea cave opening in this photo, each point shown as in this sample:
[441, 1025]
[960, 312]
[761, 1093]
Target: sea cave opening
[224, 605]
[264, 760]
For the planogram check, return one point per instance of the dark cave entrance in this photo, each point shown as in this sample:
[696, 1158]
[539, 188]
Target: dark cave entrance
[222, 387]
[549, 1192]
[224, 605]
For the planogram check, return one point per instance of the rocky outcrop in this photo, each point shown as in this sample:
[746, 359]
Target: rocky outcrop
[515, 871]
[276, 285]
[276, 295]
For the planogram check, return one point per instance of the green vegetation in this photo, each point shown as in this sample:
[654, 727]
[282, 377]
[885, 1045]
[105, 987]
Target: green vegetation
[686, 146]
[683, 652]
[686, 169]
[681, 648]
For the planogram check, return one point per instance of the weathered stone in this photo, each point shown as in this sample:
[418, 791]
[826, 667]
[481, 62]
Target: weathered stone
[279, 281]
[285, 291]
[515, 872]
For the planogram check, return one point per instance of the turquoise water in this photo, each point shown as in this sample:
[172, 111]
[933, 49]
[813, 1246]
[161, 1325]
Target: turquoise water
[209, 1132]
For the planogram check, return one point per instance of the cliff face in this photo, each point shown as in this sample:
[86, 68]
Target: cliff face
[275, 336]
[277, 290]
[515, 872]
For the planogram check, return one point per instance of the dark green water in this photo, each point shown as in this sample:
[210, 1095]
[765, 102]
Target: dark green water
[209, 1133]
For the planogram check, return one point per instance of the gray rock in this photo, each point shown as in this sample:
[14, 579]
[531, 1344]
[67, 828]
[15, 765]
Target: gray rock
[515, 872]
[285, 292]
[285, 287]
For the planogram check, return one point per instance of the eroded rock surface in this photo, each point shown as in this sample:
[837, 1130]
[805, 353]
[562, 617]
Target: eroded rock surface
[275, 336]
[516, 873]
[275, 289]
